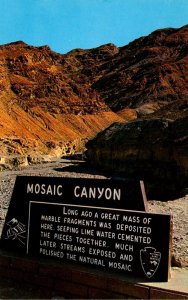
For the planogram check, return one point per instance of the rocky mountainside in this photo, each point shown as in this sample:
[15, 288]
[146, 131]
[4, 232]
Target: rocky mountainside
[148, 73]
[50, 103]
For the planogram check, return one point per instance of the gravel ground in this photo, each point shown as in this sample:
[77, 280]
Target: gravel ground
[179, 210]
[61, 168]
[67, 168]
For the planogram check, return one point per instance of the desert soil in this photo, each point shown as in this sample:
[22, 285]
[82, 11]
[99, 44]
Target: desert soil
[67, 168]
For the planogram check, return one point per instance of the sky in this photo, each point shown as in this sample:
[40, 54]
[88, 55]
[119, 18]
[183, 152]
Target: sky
[64, 25]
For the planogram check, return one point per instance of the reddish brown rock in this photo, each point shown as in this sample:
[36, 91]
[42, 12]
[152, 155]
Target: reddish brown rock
[49, 98]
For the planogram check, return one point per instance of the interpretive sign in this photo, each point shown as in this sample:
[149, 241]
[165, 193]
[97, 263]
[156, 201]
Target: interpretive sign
[77, 229]
[131, 242]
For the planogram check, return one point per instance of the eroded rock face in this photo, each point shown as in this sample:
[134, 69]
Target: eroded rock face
[146, 73]
[50, 98]
[154, 150]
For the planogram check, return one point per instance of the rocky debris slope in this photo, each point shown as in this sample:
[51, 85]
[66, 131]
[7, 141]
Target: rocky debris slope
[66, 168]
[178, 208]
[148, 73]
[48, 99]
[154, 150]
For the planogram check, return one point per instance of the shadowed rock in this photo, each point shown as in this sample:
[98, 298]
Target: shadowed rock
[154, 150]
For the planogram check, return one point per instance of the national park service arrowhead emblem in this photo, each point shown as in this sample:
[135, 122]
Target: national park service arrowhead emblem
[150, 260]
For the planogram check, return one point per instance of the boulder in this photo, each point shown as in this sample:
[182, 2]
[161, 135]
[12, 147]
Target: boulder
[153, 150]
